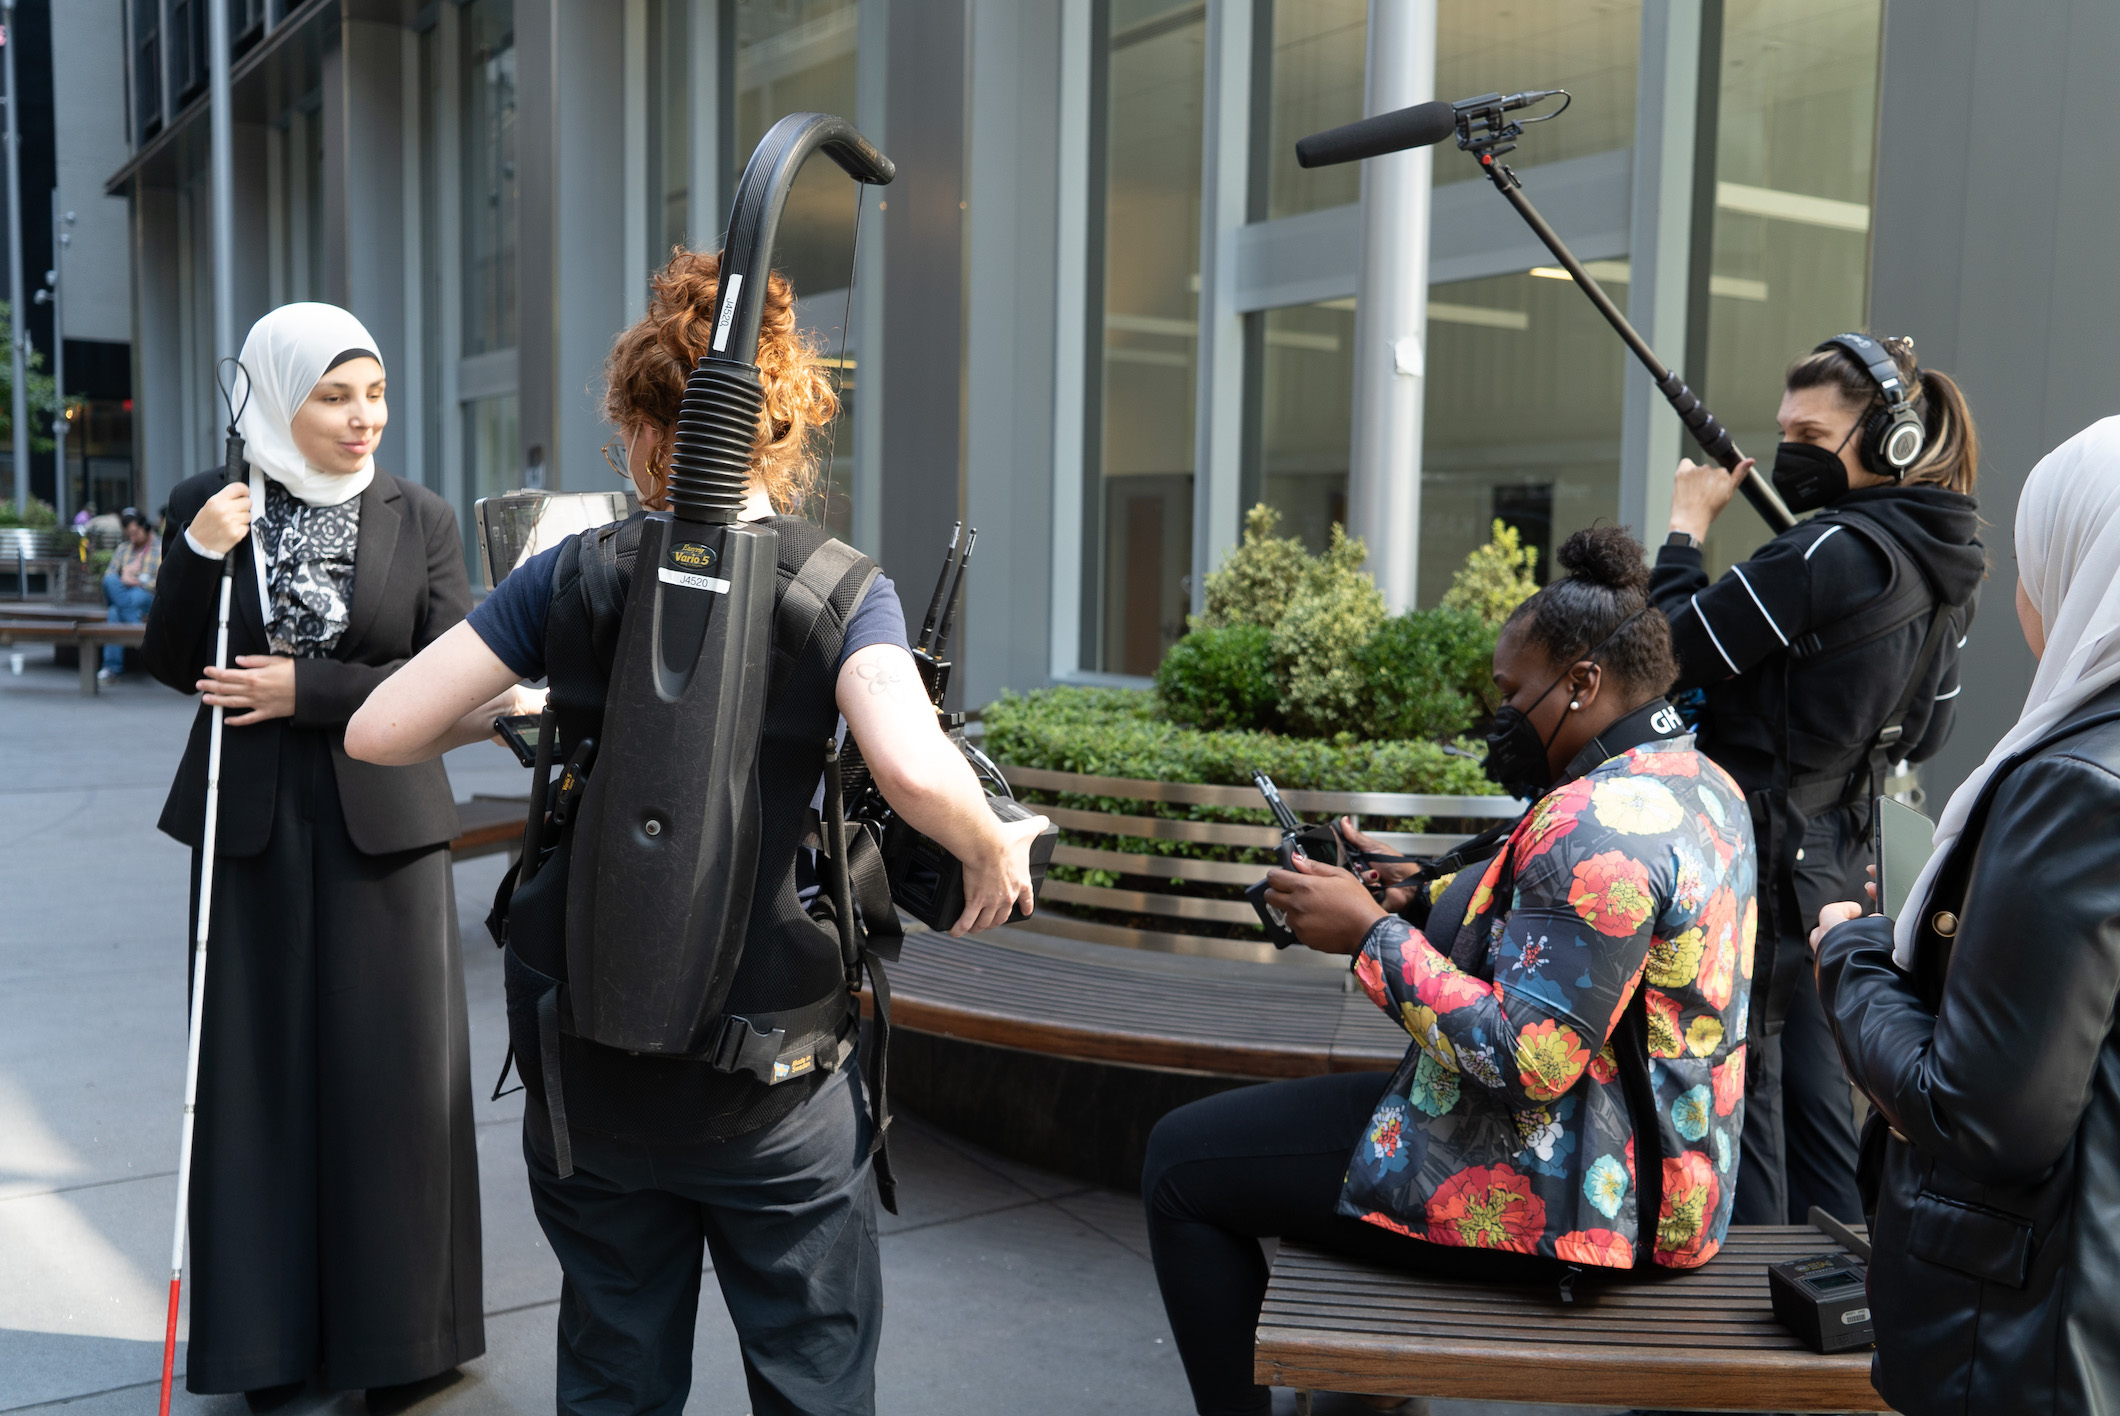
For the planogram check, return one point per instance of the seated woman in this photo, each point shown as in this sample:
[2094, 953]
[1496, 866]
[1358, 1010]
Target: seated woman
[1574, 1093]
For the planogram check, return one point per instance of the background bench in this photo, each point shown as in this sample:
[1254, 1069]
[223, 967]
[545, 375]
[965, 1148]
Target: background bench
[1704, 1339]
[85, 630]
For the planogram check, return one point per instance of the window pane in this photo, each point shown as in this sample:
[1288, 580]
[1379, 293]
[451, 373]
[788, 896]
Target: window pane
[489, 193]
[493, 461]
[1316, 74]
[1306, 410]
[797, 56]
[1522, 417]
[669, 128]
[1151, 55]
[1591, 50]
[1796, 139]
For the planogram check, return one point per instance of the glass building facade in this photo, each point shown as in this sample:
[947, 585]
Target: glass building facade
[1157, 310]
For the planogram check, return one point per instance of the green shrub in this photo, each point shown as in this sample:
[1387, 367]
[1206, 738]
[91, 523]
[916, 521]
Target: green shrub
[1257, 578]
[1315, 641]
[41, 515]
[1427, 674]
[1221, 677]
[1496, 578]
[1117, 732]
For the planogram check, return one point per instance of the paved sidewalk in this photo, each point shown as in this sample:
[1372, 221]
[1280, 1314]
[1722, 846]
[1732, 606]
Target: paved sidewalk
[1009, 1290]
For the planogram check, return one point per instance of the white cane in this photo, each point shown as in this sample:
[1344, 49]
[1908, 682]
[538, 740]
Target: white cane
[234, 468]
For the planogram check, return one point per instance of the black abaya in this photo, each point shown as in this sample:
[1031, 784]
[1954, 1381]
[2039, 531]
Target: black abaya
[334, 1203]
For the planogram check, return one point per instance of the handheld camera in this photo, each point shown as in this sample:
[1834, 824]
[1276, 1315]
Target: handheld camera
[1317, 842]
[926, 880]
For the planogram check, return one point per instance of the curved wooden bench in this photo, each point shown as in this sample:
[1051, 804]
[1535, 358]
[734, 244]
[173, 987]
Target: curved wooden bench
[1705, 1339]
[488, 825]
[1014, 989]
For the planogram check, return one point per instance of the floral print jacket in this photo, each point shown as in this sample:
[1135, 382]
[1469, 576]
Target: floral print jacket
[1507, 1126]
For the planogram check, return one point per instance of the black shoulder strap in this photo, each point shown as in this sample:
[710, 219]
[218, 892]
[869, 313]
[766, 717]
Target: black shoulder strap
[809, 625]
[1904, 599]
[600, 585]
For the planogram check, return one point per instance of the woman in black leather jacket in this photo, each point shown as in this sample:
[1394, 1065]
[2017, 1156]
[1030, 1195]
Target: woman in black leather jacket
[1981, 1024]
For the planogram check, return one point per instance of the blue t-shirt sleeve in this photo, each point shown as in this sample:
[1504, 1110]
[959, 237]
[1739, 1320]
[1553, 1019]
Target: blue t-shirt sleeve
[512, 619]
[878, 619]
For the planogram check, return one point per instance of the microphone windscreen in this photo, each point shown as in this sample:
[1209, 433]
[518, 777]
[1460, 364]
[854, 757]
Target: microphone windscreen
[1418, 126]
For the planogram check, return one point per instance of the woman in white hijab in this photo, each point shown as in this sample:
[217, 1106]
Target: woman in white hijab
[1981, 1023]
[334, 1202]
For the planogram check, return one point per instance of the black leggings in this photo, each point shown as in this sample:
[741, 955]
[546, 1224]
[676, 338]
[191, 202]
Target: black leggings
[1269, 1161]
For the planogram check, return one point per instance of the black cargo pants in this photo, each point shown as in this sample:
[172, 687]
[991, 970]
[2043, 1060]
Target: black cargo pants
[788, 1214]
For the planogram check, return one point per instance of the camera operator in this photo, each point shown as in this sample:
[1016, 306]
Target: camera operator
[1576, 1020]
[1826, 658]
[637, 1163]
[1980, 1023]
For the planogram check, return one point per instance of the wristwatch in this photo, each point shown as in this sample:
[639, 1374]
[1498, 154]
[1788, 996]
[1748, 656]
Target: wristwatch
[1684, 540]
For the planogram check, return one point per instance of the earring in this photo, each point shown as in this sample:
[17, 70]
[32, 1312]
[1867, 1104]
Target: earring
[1575, 704]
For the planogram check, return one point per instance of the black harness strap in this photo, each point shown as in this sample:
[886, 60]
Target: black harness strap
[555, 1095]
[600, 584]
[781, 1046]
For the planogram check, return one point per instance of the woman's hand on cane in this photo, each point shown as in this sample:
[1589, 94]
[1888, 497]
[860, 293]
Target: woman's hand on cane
[224, 520]
[261, 683]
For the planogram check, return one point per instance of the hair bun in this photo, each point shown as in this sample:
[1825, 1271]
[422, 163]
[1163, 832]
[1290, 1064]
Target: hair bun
[1608, 556]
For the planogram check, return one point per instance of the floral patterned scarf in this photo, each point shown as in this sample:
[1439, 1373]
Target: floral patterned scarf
[309, 554]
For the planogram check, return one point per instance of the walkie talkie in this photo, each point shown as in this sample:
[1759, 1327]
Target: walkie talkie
[926, 880]
[1320, 843]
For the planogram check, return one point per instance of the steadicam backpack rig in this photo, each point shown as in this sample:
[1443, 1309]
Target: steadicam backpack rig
[666, 845]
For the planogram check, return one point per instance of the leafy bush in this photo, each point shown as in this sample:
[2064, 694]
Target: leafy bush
[1315, 641]
[1117, 732]
[1257, 578]
[1427, 674]
[1496, 578]
[1221, 678]
[41, 515]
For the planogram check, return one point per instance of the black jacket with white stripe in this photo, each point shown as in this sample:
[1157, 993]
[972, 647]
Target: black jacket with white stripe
[1734, 637]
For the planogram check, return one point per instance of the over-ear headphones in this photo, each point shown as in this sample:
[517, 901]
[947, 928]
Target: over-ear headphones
[1893, 437]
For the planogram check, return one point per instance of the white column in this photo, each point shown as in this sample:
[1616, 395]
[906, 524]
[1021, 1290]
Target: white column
[1660, 241]
[1218, 425]
[1391, 308]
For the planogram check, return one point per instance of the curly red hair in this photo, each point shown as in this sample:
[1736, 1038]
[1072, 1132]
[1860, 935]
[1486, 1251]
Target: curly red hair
[644, 377]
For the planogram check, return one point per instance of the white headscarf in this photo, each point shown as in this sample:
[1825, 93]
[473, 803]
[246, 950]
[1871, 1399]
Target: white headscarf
[286, 353]
[2068, 556]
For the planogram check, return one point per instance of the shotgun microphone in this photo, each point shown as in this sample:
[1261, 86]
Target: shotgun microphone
[1423, 125]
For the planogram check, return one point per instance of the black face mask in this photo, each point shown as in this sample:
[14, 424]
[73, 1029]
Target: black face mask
[1809, 477]
[1516, 754]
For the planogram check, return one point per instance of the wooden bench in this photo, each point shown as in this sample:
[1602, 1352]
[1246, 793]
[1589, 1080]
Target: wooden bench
[1037, 993]
[488, 825]
[1700, 1340]
[86, 630]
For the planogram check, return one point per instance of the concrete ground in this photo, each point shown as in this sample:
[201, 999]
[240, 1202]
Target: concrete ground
[1009, 1289]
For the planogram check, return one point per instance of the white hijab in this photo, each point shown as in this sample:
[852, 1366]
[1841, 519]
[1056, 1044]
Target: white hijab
[2068, 556]
[286, 353]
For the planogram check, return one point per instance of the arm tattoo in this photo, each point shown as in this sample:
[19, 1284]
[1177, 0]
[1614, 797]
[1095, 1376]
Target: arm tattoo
[890, 679]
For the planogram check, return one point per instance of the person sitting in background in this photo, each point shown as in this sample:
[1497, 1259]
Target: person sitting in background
[1980, 1022]
[1574, 1094]
[129, 584]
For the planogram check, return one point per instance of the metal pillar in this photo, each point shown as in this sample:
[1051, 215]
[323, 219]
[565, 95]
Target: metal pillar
[221, 164]
[18, 335]
[61, 219]
[1391, 308]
